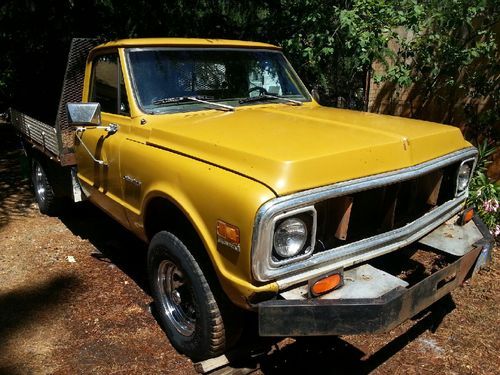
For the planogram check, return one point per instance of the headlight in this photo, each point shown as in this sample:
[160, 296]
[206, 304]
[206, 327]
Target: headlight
[290, 237]
[463, 177]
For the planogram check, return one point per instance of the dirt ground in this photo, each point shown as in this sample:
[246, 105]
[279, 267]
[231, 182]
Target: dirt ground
[74, 300]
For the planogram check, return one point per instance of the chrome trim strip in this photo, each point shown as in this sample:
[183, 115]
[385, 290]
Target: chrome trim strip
[262, 268]
[199, 47]
[132, 180]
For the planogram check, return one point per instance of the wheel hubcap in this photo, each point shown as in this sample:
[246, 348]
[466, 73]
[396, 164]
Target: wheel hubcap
[176, 297]
[39, 182]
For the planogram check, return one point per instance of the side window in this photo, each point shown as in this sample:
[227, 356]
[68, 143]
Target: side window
[105, 88]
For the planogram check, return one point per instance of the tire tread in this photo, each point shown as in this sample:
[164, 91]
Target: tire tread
[218, 337]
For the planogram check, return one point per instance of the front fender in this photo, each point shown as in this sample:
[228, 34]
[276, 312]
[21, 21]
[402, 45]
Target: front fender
[205, 194]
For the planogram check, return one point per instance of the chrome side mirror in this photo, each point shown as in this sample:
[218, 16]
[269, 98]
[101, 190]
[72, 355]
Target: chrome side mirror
[84, 113]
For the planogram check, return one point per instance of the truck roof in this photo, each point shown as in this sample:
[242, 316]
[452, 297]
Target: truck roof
[187, 42]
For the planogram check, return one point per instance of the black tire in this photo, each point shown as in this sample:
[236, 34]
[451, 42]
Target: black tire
[204, 327]
[44, 193]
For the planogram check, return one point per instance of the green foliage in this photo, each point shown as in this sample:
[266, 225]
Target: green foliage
[336, 43]
[484, 194]
[448, 49]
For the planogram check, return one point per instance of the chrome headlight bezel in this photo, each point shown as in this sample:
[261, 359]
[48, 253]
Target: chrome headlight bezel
[308, 247]
[471, 163]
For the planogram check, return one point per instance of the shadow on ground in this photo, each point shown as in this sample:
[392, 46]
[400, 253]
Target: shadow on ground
[114, 244]
[334, 355]
[16, 197]
[25, 306]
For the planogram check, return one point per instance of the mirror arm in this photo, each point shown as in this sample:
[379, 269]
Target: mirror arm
[82, 129]
[112, 128]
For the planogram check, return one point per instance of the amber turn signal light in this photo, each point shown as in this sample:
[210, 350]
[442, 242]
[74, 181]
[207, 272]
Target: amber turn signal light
[228, 232]
[326, 284]
[466, 216]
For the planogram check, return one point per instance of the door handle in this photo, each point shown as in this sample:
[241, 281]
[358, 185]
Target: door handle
[112, 128]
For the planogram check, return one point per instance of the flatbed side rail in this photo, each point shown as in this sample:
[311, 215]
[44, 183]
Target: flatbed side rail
[41, 135]
[72, 92]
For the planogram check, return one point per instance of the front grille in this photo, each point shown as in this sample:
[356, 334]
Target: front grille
[347, 219]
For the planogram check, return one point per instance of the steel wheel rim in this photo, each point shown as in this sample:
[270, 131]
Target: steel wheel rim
[176, 297]
[39, 182]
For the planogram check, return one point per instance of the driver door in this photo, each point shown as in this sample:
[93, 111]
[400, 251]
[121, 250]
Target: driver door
[102, 182]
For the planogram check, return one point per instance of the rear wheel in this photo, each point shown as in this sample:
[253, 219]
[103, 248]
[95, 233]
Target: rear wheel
[197, 324]
[44, 193]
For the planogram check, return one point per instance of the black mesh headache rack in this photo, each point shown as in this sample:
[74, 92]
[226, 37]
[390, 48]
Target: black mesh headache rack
[57, 141]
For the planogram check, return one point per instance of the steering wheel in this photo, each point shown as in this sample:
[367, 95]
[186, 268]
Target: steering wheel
[262, 90]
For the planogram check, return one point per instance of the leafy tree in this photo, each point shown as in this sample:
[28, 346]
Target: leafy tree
[449, 50]
[441, 47]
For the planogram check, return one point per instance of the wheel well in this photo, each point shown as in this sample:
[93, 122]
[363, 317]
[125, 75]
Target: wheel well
[162, 214]
[58, 176]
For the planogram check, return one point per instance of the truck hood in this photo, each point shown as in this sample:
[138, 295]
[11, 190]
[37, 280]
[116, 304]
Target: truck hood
[293, 148]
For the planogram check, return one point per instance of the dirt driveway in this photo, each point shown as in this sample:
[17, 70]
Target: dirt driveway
[74, 300]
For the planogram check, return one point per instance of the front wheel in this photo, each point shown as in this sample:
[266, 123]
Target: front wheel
[196, 323]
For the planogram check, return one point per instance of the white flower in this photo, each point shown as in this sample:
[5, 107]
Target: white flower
[490, 205]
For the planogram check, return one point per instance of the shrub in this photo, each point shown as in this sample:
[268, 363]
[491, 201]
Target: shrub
[484, 194]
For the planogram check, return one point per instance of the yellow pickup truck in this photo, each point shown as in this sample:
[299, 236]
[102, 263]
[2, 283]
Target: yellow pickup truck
[251, 195]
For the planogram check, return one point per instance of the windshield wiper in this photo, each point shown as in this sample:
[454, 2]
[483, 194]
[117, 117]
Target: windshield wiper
[198, 99]
[268, 97]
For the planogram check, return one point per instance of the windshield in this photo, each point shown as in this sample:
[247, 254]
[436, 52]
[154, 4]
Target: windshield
[217, 75]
